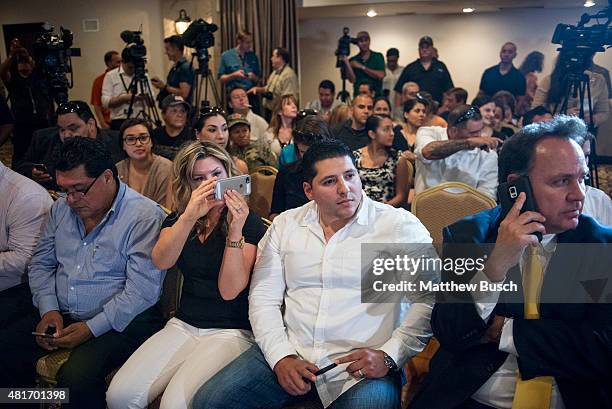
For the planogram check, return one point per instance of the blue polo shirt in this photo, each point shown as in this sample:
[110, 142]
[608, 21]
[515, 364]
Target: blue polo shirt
[232, 61]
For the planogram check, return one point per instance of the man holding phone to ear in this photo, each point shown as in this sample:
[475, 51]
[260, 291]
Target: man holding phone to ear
[561, 348]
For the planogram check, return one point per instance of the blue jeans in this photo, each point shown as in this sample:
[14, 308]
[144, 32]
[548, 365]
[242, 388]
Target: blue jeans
[249, 383]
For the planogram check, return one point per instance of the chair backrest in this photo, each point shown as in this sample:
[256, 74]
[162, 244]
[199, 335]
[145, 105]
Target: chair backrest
[442, 205]
[262, 186]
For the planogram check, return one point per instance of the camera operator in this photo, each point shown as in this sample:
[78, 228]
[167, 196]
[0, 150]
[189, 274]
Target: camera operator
[31, 101]
[367, 66]
[239, 67]
[116, 93]
[282, 81]
[181, 76]
[551, 89]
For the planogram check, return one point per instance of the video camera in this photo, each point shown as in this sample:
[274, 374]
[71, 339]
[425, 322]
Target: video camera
[579, 42]
[199, 35]
[344, 46]
[136, 50]
[52, 54]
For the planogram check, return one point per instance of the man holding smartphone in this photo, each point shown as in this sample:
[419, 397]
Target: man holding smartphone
[559, 345]
[309, 261]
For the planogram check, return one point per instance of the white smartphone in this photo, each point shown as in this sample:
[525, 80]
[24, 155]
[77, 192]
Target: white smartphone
[241, 184]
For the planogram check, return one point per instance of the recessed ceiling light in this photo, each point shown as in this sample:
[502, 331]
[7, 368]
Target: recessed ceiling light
[371, 13]
[468, 10]
[589, 3]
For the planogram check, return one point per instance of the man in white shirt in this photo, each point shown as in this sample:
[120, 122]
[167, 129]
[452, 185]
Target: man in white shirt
[597, 203]
[326, 101]
[310, 261]
[392, 73]
[116, 93]
[238, 101]
[457, 153]
[558, 343]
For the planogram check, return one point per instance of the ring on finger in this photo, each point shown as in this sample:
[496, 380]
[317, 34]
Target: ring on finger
[361, 374]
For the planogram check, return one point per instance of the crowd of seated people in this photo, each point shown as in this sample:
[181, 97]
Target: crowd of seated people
[262, 311]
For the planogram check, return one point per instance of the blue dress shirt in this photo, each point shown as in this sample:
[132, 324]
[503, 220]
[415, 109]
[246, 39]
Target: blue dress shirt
[232, 61]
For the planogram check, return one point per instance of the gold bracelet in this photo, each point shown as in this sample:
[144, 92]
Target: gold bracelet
[235, 244]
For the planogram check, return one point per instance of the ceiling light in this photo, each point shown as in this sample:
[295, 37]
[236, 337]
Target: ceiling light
[371, 13]
[468, 10]
[182, 22]
[589, 3]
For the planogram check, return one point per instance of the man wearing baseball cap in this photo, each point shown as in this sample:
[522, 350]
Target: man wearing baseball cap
[427, 71]
[257, 153]
[168, 138]
[367, 66]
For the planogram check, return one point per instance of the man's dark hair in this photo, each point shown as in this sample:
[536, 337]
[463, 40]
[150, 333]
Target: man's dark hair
[537, 111]
[175, 40]
[393, 52]
[234, 88]
[108, 56]
[459, 116]
[309, 131]
[370, 86]
[90, 153]
[325, 149]
[461, 95]
[284, 53]
[516, 155]
[481, 100]
[81, 108]
[327, 84]
[130, 122]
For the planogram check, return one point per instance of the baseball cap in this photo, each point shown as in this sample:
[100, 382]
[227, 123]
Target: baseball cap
[173, 100]
[235, 119]
[426, 40]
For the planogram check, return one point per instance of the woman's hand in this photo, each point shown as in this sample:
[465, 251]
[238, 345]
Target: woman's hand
[202, 201]
[238, 211]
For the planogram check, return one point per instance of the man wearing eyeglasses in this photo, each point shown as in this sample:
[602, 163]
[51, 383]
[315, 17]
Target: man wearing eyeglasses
[93, 283]
[457, 154]
[74, 119]
[366, 67]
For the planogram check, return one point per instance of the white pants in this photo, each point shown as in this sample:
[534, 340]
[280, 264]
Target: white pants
[180, 358]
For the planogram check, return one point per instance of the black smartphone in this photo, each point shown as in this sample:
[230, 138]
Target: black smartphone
[508, 193]
[41, 167]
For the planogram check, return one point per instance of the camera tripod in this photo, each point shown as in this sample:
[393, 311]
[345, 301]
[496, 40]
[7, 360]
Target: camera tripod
[139, 86]
[204, 78]
[577, 85]
[343, 95]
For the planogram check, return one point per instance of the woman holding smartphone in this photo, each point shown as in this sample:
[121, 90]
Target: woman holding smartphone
[213, 242]
[212, 126]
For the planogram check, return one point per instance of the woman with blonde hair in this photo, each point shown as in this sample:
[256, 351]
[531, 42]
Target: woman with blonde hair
[280, 132]
[213, 242]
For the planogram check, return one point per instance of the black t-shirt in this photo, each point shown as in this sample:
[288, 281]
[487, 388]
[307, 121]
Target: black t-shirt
[436, 80]
[492, 81]
[31, 100]
[168, 146]
[201, 303]
[5, 113]
[180, 72]
[354, 139]
[288, 190]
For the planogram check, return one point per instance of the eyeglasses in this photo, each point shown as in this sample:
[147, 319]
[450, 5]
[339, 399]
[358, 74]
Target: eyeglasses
[69, 107]
[131, 140]
[208, 110]
[78, 194]
[467, 115]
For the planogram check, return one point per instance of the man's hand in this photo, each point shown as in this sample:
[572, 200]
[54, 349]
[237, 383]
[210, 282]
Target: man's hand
[294, 373]
[40, 177]
[494, 331]
[514, 234]
[358, 65]
[238, 74]
[157, 83]
[50, 319]
[366, 363]
[484, 142]
[71, 336]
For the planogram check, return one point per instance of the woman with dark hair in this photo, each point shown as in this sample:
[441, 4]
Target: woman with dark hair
[415, 115]
[212, 126]
[531, 66]
[382, 169]
[553, 88]
[284, 115]
[487, 107]
[142, 170]
[214, 243]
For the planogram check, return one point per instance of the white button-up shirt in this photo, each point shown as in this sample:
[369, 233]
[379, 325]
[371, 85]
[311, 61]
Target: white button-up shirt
[475, 167]
[117, 82]
[320, 284]
[598, 205]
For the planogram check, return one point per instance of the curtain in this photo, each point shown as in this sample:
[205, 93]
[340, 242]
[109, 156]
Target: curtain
[273, 23]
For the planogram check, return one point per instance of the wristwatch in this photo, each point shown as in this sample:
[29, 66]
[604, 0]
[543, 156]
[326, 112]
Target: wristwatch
[235, 244]
[389, 362]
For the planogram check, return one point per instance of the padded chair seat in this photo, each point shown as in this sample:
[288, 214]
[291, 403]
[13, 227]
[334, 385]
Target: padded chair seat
[49, 365]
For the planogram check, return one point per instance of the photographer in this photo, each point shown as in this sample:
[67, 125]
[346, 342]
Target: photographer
[282, 81]
[181, 76]
[239, 67]
[367, 66]
[31, 102]
[116, 93]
